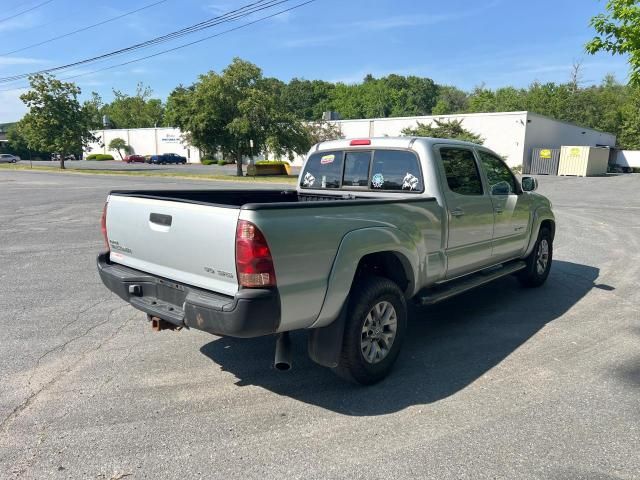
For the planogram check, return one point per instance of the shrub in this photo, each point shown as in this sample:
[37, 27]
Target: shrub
[222, 162]
[99, 157]
[208, 161]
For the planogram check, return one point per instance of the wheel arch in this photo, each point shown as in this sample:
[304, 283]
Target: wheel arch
[543, 216]
[381, 249]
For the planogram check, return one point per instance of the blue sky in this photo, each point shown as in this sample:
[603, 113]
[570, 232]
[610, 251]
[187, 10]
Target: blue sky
[457, 42]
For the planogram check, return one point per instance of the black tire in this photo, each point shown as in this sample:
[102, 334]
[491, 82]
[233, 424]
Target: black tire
[532, 275]
[365, 295]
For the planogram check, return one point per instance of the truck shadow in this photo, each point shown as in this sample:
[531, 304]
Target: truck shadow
[448, 346]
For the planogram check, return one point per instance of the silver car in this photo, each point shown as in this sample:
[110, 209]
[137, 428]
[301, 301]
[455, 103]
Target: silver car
[8, 158]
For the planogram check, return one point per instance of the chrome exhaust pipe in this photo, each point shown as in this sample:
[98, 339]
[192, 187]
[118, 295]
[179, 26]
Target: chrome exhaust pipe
[282, 359]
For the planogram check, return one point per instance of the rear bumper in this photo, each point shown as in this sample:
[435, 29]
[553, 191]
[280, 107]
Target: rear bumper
[250, 313]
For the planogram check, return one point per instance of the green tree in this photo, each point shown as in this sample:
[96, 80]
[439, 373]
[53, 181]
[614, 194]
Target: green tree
[618, 32]
[450, 100]
[322, 132]
[226, 112]
[119, 145]
[629, 127]
[135, 111]
[93, 111]
[441, 129]
[17, 144]
[307, 99]
[56, 121]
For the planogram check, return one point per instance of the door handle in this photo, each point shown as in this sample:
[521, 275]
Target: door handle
[458, 212]
[160, 219]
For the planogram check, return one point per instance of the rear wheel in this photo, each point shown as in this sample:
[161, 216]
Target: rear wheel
[374, 330]
[538, 261]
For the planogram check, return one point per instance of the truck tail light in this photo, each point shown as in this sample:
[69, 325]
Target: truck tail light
[360, 141]
[103, 227]
[253, 257]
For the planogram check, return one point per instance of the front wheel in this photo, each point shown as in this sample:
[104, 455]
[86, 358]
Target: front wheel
[374, 330]
[539, 261]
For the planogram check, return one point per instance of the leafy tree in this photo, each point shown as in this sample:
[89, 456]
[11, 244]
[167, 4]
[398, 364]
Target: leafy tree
[618, 32]
[177, 104]
[391, 96]
[119, 145]
[137, 111]
[226, 112]
[629, 128]
[307, 99]
[17, 144]
[322, 132]
[441, 129]
[450, 100]
[56, 121]
[93, 111]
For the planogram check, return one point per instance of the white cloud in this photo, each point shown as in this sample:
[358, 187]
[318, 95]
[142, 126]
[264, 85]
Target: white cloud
[401, 21]
[23, 22]
[20, 61]
[420, 20]
[11, 107]
[389, 23]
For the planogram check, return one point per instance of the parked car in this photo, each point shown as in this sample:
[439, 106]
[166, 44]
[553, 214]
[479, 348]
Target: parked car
[134, 159]
[8, 158]
[377, 222]
[167, 158]
[174, 158]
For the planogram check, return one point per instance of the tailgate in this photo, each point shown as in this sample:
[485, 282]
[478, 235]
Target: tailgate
[185, 242]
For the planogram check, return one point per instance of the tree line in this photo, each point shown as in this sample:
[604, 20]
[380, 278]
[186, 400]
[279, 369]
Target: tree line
[609, 106]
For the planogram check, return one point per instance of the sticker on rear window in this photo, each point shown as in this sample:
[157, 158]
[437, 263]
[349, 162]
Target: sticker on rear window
[410, 182]
[308, 180]
[377, 181]
[327, 159]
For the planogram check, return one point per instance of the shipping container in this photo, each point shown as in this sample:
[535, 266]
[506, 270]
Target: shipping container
[544, 161]
[583, 161]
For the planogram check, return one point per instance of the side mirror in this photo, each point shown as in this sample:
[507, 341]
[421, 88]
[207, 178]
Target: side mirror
[501, 188]
[529, 184]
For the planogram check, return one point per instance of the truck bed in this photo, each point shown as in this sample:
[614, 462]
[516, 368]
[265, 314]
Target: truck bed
[256, 199]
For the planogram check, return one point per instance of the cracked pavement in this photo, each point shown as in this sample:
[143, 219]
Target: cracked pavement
[499, 383]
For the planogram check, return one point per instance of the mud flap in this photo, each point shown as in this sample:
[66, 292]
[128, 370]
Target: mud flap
[325, 343]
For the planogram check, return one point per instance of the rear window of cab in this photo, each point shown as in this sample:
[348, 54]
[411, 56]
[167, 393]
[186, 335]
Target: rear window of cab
[375, 170]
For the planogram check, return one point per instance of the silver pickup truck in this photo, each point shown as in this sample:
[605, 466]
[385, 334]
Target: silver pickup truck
[373, 224]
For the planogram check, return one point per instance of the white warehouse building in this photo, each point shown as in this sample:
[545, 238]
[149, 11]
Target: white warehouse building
[145, 141]
[511, 134]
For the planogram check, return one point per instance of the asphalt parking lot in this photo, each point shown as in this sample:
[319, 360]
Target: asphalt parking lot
[502, 382]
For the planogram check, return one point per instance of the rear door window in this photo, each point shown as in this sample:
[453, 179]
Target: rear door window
[323, 170]
[501, 180]
[461, 171]
[396, 170]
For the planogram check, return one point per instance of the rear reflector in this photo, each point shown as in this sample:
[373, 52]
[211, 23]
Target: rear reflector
[103, 226]
[362, 141]
[253, 257]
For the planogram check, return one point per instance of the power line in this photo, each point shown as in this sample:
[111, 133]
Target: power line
[244, 25]
[52, 39]
[41, 4]
[232, 15]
